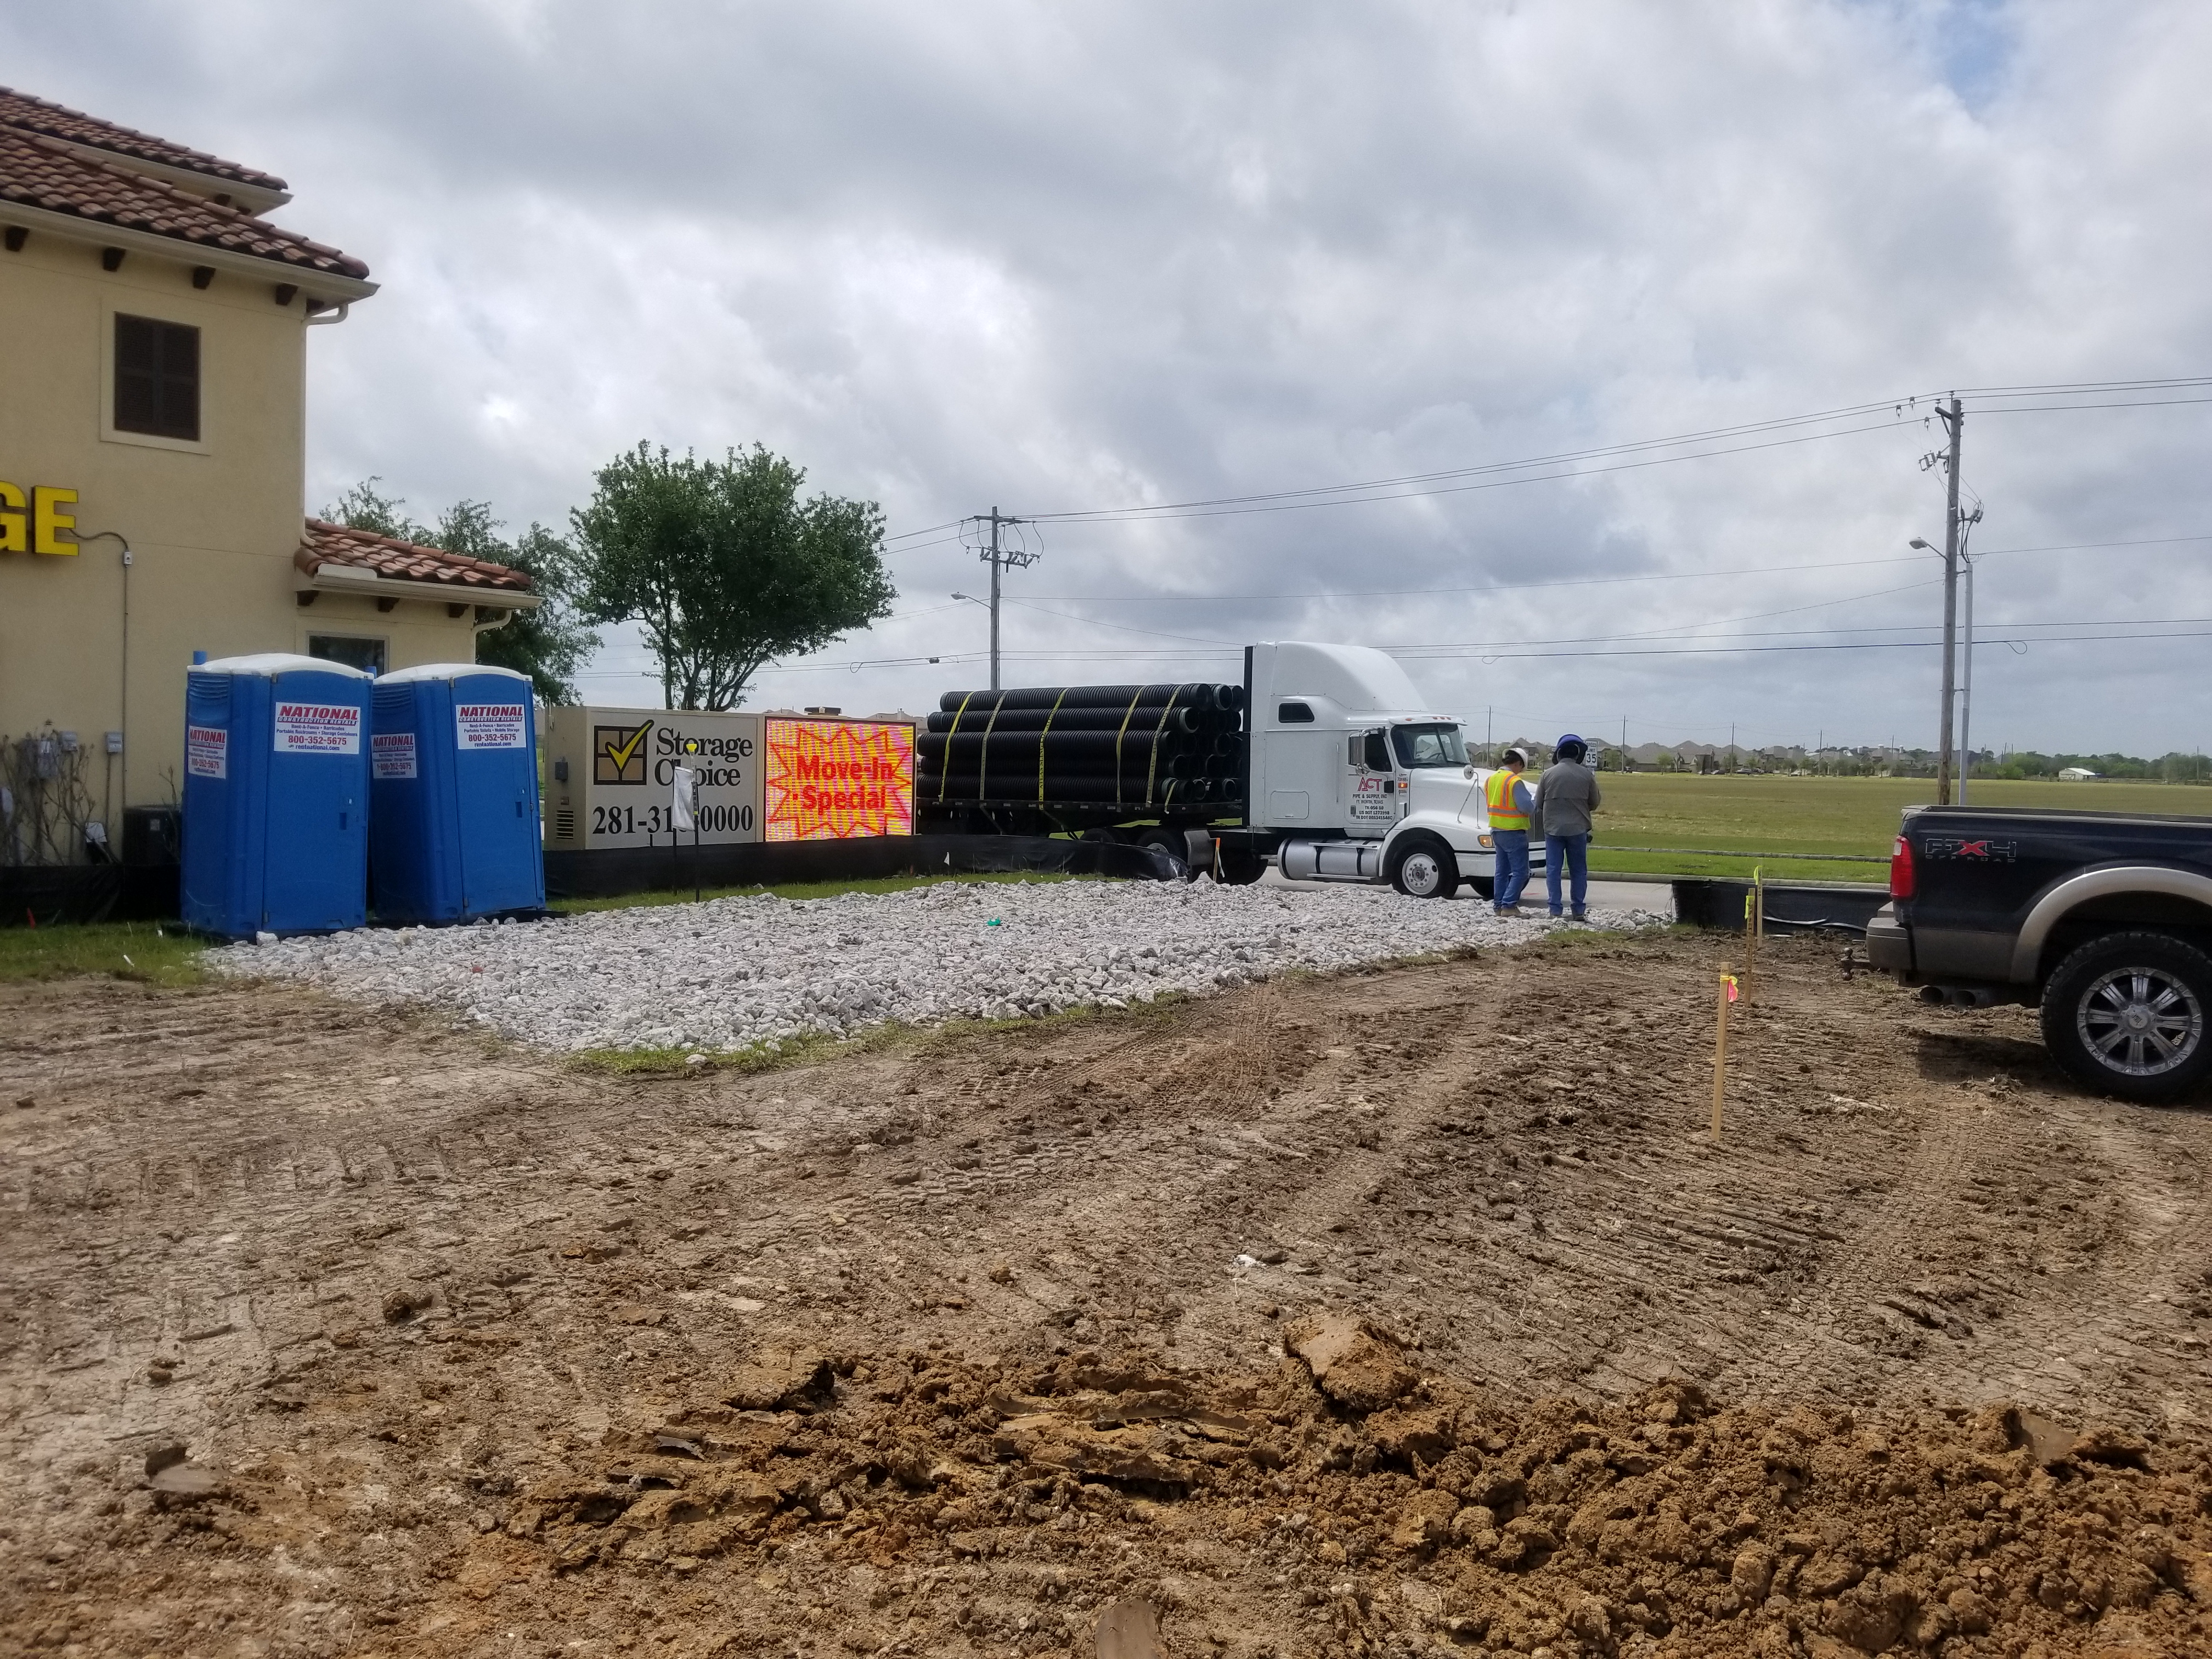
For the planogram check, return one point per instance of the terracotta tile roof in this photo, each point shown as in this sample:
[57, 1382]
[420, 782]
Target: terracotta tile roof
[397, 561]
[39, 172]
[20, 110]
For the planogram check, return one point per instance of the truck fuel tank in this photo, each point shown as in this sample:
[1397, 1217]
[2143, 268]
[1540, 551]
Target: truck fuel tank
[1332, 861]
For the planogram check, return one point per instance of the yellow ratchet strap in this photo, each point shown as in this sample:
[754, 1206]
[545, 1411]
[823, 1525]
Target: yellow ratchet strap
[1056, 702]
[1129, 714]
[944, 777]
[983, 766]
[1152, 776]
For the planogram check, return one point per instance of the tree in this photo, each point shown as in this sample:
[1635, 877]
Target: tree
[365, 507]
[549, 644]
[724, 567]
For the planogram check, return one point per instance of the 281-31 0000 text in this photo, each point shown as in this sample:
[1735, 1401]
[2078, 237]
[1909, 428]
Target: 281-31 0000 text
[712, 819]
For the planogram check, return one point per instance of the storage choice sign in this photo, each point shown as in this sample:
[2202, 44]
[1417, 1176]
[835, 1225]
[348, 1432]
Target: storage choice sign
[611, 771]
[833, 779]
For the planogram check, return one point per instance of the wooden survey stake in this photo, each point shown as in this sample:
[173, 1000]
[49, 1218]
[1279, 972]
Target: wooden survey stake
[1755, 925]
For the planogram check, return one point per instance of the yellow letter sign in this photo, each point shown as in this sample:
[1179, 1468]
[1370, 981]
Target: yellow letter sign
[48, 521]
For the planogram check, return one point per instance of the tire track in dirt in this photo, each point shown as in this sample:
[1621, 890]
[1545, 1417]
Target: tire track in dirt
[1500, 1158]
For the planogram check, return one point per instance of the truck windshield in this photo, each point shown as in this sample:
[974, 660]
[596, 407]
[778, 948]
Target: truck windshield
[1428, 745]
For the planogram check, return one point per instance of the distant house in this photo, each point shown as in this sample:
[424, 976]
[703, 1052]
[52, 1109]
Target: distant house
[2076, 775]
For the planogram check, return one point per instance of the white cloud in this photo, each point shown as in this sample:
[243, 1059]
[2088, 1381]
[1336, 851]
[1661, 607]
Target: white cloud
[1051, 255]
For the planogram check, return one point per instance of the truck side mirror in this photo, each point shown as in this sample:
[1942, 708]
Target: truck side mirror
[1378, 751]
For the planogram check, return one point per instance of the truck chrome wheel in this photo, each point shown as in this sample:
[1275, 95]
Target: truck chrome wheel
[2125, 1015]
[2139, 1021]
[1425, 870]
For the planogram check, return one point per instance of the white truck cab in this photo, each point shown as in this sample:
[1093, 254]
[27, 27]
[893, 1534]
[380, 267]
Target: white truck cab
[1358, 778]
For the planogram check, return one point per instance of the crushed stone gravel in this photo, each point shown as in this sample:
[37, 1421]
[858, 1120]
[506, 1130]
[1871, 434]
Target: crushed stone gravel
[733, 973]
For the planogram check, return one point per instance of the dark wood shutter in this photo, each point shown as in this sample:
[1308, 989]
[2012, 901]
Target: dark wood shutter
[157, 378]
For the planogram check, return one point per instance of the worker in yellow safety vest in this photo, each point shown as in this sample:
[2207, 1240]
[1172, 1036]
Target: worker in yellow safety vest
[1509, 801]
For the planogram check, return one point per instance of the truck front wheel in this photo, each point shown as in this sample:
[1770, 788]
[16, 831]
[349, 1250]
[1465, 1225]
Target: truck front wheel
[2126, 1015]
[1424, 867]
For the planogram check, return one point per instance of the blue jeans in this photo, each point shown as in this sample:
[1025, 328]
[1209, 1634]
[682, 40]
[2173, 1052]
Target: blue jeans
[1575, 849]
[1512, 866]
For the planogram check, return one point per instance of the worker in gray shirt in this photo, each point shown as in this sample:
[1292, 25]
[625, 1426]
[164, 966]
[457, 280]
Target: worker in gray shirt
[1566, 795]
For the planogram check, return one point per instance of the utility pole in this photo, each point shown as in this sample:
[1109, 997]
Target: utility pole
[995, 553]
[1955, 418]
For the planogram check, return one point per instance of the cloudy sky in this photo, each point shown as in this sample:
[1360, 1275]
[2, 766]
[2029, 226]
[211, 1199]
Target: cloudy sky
[1067, 257]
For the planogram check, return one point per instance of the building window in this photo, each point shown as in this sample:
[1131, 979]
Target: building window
[157, 378]
[367, 655]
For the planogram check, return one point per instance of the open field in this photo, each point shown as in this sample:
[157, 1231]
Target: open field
[1404, 1312]
[1770, 815]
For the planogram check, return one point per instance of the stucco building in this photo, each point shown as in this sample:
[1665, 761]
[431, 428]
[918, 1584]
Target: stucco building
[155, 330]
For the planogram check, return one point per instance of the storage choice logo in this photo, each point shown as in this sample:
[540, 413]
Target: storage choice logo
[618, 753]
[831, 779]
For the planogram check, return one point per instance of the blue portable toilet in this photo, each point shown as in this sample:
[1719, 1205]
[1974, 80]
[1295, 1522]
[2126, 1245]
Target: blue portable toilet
[454, 831]
[276, 820]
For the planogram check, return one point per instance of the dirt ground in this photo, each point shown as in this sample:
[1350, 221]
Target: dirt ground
[1400, 1313]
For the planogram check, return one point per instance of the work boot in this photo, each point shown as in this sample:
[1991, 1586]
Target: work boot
[1578, 917]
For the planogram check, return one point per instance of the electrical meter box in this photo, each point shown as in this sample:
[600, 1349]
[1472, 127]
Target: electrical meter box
[276, 796]
[611, 775]
[453, 782]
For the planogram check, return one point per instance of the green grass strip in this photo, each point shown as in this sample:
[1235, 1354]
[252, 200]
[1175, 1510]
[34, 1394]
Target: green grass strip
[152, 953]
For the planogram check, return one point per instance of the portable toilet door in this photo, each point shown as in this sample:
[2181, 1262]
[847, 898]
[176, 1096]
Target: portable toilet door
[474, 805]
[276, 796]
[415, 836]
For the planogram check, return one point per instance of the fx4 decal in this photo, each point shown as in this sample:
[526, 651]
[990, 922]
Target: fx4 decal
[1983, 851]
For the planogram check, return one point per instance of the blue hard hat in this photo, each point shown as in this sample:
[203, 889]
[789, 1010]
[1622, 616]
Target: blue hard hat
[1570, 737]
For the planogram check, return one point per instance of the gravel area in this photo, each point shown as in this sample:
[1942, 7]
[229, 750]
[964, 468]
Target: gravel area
[735, 972]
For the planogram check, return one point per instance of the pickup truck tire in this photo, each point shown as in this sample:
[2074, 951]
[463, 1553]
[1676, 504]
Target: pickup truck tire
[1421, 866]
[2130, 1015]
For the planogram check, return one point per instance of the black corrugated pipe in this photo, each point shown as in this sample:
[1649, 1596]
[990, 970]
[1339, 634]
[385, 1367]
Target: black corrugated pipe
[1190, 694]
[1145, 718]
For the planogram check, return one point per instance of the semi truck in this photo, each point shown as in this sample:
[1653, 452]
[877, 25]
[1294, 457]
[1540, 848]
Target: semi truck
[1326, 761]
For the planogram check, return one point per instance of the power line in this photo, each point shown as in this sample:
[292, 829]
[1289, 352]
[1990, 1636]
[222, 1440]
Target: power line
[1123, 627]
[1585, 581]
[2045, 409]
[1559, 459]
[2082, 388]
[1154, 515]
[1865, 644]
[1901, 410]
[949, 524]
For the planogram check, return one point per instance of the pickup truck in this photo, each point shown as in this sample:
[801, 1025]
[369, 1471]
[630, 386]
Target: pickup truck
[2103, 919]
